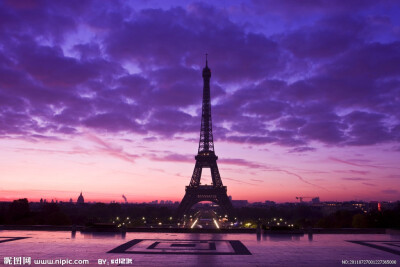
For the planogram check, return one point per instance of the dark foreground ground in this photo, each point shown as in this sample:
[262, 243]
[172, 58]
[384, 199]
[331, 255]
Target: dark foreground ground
[196, 249]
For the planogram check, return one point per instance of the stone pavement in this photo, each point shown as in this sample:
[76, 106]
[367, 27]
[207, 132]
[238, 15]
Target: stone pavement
[168, 249]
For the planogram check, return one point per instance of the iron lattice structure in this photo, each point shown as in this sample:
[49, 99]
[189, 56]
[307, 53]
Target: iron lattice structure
[205, 158]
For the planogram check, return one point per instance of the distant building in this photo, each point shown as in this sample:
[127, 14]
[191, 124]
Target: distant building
[239, 203]
[315, 200]
[270, 203]
[80, 200]
[165, 202]
[374, 205]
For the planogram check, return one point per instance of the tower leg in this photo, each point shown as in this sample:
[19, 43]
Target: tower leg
[200, 193]
[185, 205]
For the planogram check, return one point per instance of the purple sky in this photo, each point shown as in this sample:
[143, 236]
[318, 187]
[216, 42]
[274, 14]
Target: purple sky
[306, 97]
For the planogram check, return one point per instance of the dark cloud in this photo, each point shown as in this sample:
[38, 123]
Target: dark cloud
[307, 8]
[369, 184]
[354, 171]
[172, 157]
[241, 162]
[45, 19]
[301, 149]
[133, 86]
[390, 191]
[156, 37]
[367, 128]
[268, 109]
[325, 131]
[50, 67]
[256, 140]
[326, 38]
[356, 163]
[113, 122]
[355, 179]
[291, 123]
[330, 76]
[393, 176]
[88, 50]
[169, 121]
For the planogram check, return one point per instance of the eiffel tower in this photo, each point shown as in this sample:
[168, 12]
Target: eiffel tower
[205, 158]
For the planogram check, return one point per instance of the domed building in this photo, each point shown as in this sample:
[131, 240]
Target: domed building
[80, 200]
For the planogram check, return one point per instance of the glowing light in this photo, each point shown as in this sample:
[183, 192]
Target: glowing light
[194, 223]
[216, 223]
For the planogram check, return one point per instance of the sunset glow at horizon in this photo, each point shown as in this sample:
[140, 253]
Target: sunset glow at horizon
[107, 99]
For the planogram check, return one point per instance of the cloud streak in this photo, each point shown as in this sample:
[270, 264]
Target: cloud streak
[110, 149]
[353, 163]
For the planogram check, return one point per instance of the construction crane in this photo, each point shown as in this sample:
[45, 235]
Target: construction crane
[313, 199]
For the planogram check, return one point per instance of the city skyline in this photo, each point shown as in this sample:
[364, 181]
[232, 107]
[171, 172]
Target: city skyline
[107, 100]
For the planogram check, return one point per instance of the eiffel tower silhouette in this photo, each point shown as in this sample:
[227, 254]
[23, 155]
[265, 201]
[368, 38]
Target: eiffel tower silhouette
[205, 158]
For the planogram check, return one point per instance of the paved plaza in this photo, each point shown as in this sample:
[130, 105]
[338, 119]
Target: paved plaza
[168, 249]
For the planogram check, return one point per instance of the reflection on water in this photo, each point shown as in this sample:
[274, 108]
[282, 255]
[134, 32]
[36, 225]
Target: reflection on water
[395, 237]
[283, 237]
[310, 237]
[276, 237]
[102, 235]
[280, 237]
